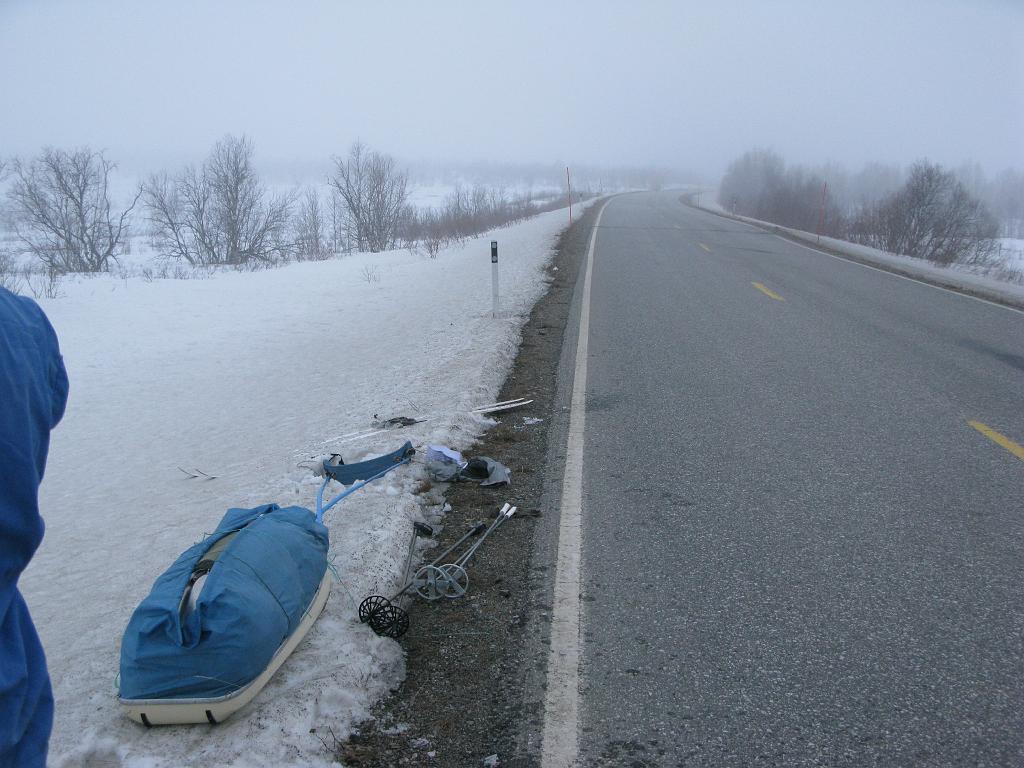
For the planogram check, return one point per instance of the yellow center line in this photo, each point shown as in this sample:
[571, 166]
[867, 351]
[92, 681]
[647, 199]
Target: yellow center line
[1002, 440]
[768, 291]
[704, 247]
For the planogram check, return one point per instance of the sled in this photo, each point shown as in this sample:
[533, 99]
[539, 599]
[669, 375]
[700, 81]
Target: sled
[230, 610]
[217, 709]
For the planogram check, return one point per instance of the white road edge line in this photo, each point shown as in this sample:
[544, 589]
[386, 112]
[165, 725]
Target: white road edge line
[560, 745]
[902, 277]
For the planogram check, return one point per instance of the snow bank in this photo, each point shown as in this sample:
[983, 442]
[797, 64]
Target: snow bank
[242, 376]
[955, 277]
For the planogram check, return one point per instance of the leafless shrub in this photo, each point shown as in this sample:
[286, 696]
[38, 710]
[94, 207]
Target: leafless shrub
[373, 195]
[124, 272]
[170, 271]
[60, 206]
[1002, 270]
[932, 217]
[41, 283]
[10, 275]
[370, 273]
[468, 212]
[432, 243]
[1007, 272]
[220, 213]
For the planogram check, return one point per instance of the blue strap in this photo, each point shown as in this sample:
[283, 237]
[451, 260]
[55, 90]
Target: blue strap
[346, 474]
[321, 508]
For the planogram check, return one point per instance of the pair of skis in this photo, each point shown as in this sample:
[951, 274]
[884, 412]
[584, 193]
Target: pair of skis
[482, 410]
[504, 405]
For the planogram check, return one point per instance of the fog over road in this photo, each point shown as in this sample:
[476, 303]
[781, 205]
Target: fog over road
[802, 538]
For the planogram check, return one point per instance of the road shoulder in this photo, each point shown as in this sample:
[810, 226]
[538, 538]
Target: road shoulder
[475, 666]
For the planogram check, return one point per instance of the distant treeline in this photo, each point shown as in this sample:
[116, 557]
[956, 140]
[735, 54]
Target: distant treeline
[220, 212]
[945, 216]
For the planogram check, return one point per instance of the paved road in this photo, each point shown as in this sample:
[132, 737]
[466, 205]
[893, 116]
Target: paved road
[797, 551]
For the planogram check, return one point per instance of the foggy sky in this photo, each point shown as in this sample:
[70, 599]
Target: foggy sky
[686, 84]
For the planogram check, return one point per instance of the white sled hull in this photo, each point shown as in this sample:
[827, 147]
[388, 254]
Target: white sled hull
[216, 710]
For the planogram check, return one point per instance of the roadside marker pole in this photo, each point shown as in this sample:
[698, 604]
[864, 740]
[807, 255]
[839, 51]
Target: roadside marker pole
[821, 214]
[568, 187]
[494, 278]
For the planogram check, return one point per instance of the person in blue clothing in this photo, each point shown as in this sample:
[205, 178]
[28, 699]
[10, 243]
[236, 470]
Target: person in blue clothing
[33, 393]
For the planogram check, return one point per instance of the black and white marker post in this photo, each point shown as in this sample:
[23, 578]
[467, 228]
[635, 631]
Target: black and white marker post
[494, 277]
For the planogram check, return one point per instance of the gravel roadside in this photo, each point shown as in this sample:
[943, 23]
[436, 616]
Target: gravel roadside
[475, 666]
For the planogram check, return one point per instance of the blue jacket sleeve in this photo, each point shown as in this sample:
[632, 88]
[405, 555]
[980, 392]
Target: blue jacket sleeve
[33, 394]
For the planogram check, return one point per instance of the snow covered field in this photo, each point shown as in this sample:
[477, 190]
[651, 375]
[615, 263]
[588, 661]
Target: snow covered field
[1012, 250]
[242, 376]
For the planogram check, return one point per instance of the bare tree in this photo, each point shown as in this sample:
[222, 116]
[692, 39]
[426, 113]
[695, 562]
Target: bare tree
[760, 185]
[337, 226]
[349, 184]
[750, 182]
[219, 213]
[874, 182]
[932, 217]
[310, 236]
[179, 228]
[1007, 200]
[250, 227]
[60, 206]
[374, 194]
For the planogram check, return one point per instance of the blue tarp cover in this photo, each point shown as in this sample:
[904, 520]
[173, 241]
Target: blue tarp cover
[254, 598]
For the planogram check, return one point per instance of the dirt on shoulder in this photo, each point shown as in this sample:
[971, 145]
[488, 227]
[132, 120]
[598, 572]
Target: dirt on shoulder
[473, 664]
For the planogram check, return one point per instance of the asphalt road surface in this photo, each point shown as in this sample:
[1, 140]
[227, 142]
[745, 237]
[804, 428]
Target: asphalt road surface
[797, 549]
